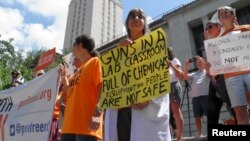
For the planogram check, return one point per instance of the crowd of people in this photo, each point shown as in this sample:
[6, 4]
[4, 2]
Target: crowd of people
[79, 94]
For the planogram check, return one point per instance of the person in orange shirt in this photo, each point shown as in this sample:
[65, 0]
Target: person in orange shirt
[82, 118]
[237, 83]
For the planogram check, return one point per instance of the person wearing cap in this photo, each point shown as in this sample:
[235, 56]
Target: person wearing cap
[237, 83]
[213, 30]
[217, 89]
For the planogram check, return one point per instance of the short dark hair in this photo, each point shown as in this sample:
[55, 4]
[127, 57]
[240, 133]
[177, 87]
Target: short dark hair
[87, 42]
[131, 12]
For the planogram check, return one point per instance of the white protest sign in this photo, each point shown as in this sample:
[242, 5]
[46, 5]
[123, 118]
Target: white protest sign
[229, 53]
[26, 111]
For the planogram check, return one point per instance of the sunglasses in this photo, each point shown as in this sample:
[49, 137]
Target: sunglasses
[209, 27]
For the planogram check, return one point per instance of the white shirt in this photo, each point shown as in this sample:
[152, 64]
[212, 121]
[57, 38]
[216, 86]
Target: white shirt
[173, 77]
[199, 83]
[234, 32]
[110, 130]
[152, 122]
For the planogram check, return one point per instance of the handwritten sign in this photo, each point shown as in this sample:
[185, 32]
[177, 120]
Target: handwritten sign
[135, 73]
[46, 59]
[229, 53]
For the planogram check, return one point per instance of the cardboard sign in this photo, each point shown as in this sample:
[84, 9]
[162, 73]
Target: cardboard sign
[135, 73]
[229, 53]
[46, 59]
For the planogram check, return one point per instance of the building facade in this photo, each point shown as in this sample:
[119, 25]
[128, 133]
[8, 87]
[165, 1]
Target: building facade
[184, 27]
[101, 19]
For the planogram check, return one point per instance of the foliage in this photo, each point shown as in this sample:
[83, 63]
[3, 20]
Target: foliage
[11, 59]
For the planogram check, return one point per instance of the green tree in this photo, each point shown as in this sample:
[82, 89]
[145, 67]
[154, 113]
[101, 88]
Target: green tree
[32, 58]
[11, 59]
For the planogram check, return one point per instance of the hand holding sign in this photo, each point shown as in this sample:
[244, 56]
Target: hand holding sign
[229, 53]
[46, 59]
[125, 42]
[136, 73]
[140, 106]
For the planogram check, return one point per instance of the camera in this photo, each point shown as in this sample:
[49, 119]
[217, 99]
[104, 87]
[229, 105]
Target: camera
[192, 60]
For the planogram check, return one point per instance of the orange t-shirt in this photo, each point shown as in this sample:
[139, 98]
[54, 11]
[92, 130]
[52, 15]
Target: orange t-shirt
[57, 106]
[82, 99]
[241, 28]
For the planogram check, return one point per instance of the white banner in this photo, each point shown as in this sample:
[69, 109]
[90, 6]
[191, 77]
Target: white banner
[26, 111]
[229, 53]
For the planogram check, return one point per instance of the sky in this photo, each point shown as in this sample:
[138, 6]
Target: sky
[36, 24]
[152, 8]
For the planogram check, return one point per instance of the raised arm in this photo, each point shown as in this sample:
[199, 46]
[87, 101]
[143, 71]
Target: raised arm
[64, 78]
[185, 70]
[177, 69]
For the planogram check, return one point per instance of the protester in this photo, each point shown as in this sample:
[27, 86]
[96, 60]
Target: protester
[16, 78]
[237, 83]
[213, 30]
[150, 120]
[63, 99]
[199, 90]
[176, 75]
[217, 89]
[77, 63]
[82, 118]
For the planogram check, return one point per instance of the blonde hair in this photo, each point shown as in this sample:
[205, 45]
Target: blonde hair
[226, 8]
